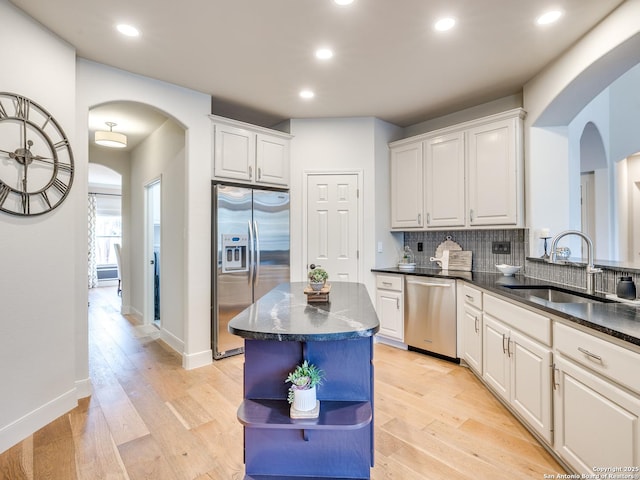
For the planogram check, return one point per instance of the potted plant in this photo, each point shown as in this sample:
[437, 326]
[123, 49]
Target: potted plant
[304, 380]
[317, 278]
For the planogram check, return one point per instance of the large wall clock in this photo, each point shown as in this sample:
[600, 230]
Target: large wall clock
[36, 161]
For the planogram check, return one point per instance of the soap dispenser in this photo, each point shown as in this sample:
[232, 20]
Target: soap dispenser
[626, 288]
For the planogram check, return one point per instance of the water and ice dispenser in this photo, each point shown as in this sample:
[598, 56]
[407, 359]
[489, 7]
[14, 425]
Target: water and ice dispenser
[234, 253]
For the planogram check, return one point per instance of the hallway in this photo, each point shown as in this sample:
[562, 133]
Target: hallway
[150, 419]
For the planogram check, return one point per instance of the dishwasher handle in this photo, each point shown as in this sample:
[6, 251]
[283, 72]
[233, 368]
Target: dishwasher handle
[427, 284]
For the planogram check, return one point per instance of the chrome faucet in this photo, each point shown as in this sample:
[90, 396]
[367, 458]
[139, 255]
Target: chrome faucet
[591, 270]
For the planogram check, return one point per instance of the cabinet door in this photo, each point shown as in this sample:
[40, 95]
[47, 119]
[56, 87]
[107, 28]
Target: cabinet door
[389, 306]
[472, 338]
[493, 163]
[531, 382]
[597, 423]
[444, 181]
[272, 160]
[234, 153]
[406, 186]
[495, 362]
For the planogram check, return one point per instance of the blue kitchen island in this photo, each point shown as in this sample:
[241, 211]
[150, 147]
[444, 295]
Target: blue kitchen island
[280, 331]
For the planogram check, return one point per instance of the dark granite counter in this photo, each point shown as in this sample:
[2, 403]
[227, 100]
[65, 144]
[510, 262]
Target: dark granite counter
[284, 315]
[616, 319]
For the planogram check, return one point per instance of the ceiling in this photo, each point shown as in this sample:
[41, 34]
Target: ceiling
[254, 56]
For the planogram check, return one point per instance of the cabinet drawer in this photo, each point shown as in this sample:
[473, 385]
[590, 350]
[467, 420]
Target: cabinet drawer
[472, 297]
[389, 282]
[533, 324]
[617, 363]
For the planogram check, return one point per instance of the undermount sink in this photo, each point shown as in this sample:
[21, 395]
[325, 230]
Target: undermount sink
[557, 294]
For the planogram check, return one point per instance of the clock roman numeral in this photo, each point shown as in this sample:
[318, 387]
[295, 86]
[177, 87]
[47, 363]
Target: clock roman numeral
[60, 186]
[23, 106]
[26, 207]
[45, 197]
[46, 122]
[4, 193]
[61, 144]
[65, 167]
[3, 112]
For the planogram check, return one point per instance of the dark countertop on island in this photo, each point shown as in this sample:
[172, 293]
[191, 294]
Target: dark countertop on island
[616, 319]
[283, 314]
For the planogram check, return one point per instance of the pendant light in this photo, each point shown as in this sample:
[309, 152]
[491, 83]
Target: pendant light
[111, 138]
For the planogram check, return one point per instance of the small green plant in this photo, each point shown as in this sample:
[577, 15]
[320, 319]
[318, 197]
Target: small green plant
[304, 377]
[318, 275]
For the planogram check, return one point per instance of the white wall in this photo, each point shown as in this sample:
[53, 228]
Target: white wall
[98, 84]
[161, 155]
[345, 144]
[40, 319]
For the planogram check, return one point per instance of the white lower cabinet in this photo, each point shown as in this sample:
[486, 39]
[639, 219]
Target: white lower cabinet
[390, 306]
[517, 366]
[597, 419]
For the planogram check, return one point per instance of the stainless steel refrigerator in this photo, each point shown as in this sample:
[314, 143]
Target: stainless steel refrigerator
[250, 254]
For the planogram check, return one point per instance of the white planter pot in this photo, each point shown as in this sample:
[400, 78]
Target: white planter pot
[316, 287]
[304, 400]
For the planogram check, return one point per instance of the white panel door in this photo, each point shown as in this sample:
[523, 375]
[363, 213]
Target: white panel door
[332, 224]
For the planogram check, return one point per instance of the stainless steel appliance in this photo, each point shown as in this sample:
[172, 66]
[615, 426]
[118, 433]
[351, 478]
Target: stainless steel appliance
[430, 315]
[250, 251]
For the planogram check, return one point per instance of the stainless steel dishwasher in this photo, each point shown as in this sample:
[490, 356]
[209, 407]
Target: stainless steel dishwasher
[430, 315]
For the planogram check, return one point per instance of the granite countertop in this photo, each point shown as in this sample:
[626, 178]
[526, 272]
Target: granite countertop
[283, 314]
[616, 319]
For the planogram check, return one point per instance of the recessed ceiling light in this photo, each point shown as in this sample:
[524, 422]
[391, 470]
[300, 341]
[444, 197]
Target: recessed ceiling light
[548, 17]
[445, 24]
[324, 53]
[343, 2]
[307, 94]
[128, 30]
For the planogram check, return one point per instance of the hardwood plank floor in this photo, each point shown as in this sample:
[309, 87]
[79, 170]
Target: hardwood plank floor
[150, 419]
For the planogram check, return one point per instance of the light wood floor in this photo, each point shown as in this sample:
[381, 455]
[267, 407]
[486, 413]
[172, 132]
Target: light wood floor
[150, 419]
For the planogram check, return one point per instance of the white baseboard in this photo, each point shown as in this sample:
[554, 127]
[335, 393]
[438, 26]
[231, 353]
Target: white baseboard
[171, 340]
[33, 421]
[129, 310]
[196, 360]
[83, 388]
[390, 341]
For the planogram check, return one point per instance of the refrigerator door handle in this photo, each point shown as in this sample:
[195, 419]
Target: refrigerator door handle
[256, 271]
[251, 253]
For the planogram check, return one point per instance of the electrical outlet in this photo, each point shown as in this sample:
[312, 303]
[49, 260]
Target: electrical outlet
[502, 248]
[419, 246]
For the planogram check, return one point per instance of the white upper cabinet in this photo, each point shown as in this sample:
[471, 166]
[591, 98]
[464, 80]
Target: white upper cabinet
[272, 159]
[472, 175]
[444, 181]
[407, 186]
[249, 154]
[493, 167]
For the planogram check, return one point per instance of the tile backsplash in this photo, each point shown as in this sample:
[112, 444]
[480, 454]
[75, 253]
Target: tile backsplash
[480, 241]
